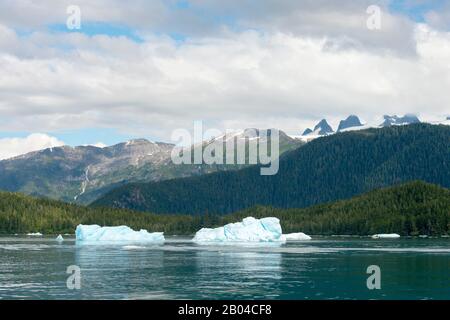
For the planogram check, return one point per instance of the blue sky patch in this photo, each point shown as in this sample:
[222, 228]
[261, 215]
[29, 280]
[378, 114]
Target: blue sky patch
[100, 28]
[415, 10]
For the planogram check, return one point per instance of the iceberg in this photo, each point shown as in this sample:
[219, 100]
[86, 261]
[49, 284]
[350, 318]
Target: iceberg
[35, 234]
[95, 233]
[298, 236]
[59, 238]
[386, 236]
[249, 230]
[133, 247]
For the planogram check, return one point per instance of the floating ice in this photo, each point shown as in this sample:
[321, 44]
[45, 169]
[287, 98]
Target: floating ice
[296, 236]
[59, 238]
[96, 233]
[34, 234]
[386, 236]
[249, 230]
[133, 247]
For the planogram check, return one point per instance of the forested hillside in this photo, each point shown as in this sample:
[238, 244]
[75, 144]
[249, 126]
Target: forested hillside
[327, 169]
[24, 214]
[83, 174]
[409, 209]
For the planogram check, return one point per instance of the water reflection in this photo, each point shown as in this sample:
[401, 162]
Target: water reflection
[247, 274]
[120, 271]
[180, 269]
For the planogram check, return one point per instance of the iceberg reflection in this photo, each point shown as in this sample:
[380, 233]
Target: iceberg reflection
[238, 272]
[103, 268]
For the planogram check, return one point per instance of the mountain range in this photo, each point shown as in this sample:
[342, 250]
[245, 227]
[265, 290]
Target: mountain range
[86, 173]
[333, 167]
[82, 174]
[71, 174]
[353, 122]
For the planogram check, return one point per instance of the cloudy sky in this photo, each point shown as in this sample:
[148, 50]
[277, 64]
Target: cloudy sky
[145, 68]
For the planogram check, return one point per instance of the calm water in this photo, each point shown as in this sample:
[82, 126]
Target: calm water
[327, 268]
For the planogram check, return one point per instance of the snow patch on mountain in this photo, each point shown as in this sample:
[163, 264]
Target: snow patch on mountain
[399, 121]
[84, 184]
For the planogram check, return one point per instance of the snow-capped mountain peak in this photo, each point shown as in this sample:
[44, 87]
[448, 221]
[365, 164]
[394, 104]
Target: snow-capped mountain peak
[307, 132]
[321, 129]
[398, 121]
[353, 122]
[350, 122]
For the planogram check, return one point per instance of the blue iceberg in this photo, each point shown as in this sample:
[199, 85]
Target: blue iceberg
[249, 230]
[95, 233]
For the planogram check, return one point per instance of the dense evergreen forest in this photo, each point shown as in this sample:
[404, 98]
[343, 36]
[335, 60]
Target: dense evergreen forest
[409, 209]
[335, 167]
[24, 214]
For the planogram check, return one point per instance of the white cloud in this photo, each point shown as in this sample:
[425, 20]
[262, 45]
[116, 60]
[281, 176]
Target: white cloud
[299, 68]
[343, 20]
[12, 147]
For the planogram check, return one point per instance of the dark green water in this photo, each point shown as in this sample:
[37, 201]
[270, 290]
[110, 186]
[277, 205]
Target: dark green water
[325, 268]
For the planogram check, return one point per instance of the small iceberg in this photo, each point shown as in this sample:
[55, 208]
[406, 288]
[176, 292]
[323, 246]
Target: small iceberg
[386, 236]
[59, 238]
[95, 233]
[35, 234]
[249, 230]
[133, 247]
[298, 236]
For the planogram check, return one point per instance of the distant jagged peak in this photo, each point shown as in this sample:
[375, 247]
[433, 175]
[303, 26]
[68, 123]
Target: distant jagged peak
[397, 121]
[321, 129]
[307, 132]
[351, 122]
